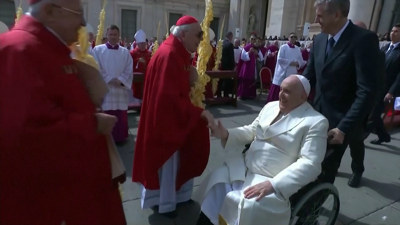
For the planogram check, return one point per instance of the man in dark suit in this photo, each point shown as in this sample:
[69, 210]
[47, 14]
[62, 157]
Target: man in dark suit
[392, 87]
[227, 63]
[344, 69]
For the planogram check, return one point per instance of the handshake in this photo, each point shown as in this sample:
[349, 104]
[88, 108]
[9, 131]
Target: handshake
[217, 129]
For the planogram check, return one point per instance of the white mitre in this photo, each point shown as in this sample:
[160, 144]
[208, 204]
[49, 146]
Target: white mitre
[211, 34]
[305, 83]
[3, 27]
[140, 36]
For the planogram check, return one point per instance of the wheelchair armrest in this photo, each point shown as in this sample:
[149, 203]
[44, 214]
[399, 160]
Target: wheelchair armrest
[246, 147]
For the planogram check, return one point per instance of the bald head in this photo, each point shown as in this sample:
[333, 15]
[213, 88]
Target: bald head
[360, 24]
[64, 17]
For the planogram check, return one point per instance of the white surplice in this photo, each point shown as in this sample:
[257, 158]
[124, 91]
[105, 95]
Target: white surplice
[246, 58]
[237, 52]
[115, 63]
[286, 55]
[167, 197]
[288, 153]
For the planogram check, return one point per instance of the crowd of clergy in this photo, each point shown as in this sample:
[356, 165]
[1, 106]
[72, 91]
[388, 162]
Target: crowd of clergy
[59, 126]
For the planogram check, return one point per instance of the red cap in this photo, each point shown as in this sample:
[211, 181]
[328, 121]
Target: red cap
[33, 1]
[185, 20]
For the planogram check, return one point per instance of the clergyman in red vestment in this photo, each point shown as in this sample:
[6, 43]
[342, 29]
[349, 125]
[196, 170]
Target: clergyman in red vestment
[173, 141]
[141, 57]
[54, 162]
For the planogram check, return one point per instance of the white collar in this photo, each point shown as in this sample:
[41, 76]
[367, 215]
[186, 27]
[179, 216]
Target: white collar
[337, 36]
[394, 45]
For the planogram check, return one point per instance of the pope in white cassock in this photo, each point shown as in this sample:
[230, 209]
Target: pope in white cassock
[116, 67]
[289, 62]
[288, 144]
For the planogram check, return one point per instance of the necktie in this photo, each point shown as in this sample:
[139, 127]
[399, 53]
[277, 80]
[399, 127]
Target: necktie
[391, 47]
[329, 47]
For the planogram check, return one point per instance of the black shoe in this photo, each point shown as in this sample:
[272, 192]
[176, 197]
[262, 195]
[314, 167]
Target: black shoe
[380, 141]
[355, 180]
[203, 220]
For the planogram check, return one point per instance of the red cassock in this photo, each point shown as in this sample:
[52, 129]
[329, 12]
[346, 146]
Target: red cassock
[208, 93]
[54, 166]
[139, 67]
[169, 121]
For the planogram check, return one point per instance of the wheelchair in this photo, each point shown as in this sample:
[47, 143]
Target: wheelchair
[310, 203]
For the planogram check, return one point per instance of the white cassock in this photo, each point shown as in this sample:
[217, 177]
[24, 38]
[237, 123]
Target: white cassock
[397, 104]
[286, 55]
[237, 52]
[167, 197]
[245, 57]
[288, 153]
[115, 63]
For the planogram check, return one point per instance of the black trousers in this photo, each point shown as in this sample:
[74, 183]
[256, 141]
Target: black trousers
[331, 163]
[377, 122]
[357, 152]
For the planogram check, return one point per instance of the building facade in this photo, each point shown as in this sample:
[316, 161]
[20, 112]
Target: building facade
[242, 17]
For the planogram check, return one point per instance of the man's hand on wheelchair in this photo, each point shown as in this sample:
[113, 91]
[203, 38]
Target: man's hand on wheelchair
[259, 190]
[335, 137]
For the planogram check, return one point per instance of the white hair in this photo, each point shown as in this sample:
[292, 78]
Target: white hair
[177, 30]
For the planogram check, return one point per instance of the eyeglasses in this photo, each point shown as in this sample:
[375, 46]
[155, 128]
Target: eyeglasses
[293, 36]
[67, 9]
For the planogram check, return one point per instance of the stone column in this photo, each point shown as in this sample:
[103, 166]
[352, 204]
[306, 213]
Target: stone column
[283, 17]
[238, 17]
[362, 10]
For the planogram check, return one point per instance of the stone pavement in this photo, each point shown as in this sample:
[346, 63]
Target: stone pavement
[377, 201]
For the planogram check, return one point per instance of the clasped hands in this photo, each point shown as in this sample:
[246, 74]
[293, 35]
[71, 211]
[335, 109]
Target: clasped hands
[115, 82]
[217, 129]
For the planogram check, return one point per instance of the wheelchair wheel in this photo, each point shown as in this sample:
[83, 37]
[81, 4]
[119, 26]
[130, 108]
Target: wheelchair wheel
[319, 206]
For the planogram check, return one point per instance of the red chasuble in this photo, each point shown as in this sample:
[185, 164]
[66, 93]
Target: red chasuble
[169, 121]
[208, 93]
[54, 166]
[139, 67]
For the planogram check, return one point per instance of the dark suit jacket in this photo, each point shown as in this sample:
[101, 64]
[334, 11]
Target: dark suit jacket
[228, 56]
[347, 80]
[392, 71]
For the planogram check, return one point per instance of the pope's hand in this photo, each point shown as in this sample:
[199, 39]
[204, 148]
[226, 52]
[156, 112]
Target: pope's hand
[219, 131]
[259, 190]
[209, 117]
[105, 123]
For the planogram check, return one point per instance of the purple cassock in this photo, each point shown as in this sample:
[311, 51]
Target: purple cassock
[305, 54]
[247, 88]
[270, 62]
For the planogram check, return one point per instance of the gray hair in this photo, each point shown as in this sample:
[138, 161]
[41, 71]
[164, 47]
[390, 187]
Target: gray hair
[177, 30]
[332, 6]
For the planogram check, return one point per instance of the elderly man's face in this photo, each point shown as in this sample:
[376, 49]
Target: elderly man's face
[237, 43]
[66, 18]
[291, 94]
[142, 46]
[192, 38]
